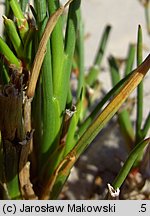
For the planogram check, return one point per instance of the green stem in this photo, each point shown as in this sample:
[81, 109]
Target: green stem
[94, 70]
[13, 36]
[129, 163]
[130, 59]
[48, 113]
[102, 46]
[80, 47]
[146, 126]
[28, 47]
[57, 57]
[123, 116]
[140, 88]
[8, 55]
[70, 141]
[70, 40]
[21, 20]
[57, 49]
[16, 9]
[24, 4]
[115, 76]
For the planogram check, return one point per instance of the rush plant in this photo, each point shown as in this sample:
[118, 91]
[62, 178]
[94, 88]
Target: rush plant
[44, 124]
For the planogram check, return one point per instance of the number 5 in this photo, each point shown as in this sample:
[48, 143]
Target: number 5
[143, 208]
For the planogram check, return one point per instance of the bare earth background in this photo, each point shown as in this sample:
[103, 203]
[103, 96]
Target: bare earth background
[101, 162]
